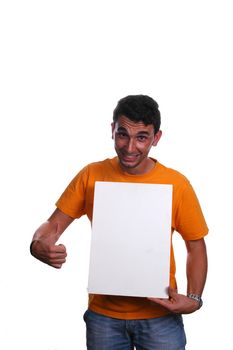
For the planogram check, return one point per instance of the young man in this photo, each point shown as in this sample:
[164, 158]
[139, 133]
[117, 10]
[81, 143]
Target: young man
[116, 322]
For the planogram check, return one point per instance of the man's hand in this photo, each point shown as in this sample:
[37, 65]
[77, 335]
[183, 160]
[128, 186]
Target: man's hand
[51, 254]
[44, 247]
[177, 303]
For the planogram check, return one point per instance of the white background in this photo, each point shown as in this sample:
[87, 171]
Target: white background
[64, 65]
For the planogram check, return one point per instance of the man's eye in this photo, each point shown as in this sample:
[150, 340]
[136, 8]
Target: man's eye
[122, 135]
[141, 138]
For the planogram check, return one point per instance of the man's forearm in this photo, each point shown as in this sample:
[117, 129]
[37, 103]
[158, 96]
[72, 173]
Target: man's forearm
[196, 266]
[47, 231]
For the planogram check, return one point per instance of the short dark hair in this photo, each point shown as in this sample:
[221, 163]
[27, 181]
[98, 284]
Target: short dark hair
[139, 108]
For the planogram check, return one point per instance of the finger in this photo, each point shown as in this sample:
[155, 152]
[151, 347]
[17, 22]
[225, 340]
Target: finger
[52, 257]
[58, 263]
[163, 302]
[62, 246]
[159, 301]
[60, 258]
[56, 266]
[172, 293]
[55, 262]
[57, 258]
[60, 249]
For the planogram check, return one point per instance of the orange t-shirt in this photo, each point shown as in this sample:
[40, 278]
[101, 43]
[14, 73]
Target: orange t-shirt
[187, 219]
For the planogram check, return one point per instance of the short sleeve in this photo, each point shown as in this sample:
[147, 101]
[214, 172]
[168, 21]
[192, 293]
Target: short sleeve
[72, 200]
[189, 219]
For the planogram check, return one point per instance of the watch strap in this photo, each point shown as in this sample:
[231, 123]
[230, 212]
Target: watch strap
[196, 297]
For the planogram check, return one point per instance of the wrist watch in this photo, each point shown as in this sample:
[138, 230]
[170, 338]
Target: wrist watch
[196, 297]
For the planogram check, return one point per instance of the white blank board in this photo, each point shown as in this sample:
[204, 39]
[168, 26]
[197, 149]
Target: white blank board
[131, 237]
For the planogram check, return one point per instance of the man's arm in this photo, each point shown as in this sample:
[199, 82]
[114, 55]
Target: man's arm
[196, 277]
[43, 246]
[196, 266]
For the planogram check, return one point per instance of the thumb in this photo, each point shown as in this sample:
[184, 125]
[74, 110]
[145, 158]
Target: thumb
[172, 292]
[59, 248]
[62, 246]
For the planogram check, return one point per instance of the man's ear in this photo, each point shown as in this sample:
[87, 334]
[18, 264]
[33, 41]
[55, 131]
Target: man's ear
[113, 124]
[157, 137]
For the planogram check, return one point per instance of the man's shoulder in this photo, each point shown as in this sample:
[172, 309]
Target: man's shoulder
[101, 164]
[101, 167]
[172, 174]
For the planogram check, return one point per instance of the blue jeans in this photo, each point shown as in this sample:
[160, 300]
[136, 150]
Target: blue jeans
[163, 333]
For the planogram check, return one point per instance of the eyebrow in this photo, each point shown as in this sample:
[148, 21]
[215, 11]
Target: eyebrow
[121, 128]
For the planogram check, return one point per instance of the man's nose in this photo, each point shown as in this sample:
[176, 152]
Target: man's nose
[131, 146]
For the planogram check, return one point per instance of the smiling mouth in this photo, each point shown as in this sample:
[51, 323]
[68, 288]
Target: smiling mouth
[129, 157]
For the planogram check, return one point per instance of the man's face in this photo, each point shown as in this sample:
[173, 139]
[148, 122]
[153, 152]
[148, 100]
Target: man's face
[133, 142]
